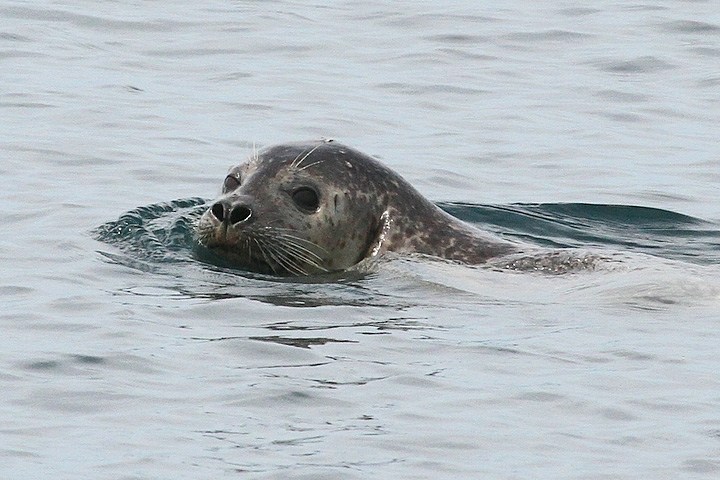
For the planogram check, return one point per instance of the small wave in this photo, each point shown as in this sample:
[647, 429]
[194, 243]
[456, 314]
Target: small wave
[157, 232]
[150, 236]
[646, 230]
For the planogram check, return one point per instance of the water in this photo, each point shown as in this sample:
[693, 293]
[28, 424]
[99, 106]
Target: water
[593, 127]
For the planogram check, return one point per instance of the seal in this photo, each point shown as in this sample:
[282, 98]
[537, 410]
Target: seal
[309, 208]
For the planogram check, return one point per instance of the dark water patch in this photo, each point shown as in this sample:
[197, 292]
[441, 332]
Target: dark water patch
[621, 116]
[706, 51]
[43, 365]
[622, 97]
[578, 11]
[422, 90]
[231, 77]
[432, 20]
[690, 26]
[278, 294]
[711, 82]
[192, 52]
[249, 106]
[89, 21]
[404, 324]
[336, 384]
[540, 397]
[547, 36]
[300, 342]
[20, 54]
[14, 290]
[701, 465]
[25, 105]
[645, 64]
[66, 363]
[617, 414]
[14, 37]
[470, 55]
[644, 7]
[87, 359]
[457, 38]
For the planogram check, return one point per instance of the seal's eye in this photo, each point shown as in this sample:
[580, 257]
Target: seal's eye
[231, 183]
[306, 198]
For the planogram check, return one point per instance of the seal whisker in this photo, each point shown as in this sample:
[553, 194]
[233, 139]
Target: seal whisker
[295, 163]
[310, 165]
[304, 254]
[302, 257]
[292, 265]
[292, 164]
[288, 253]
[281, 257]
[297, 242]
[302, 240]
[264, 254]
[295, 254]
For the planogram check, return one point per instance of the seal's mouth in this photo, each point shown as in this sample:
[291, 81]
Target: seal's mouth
[260, 249]
[227, 256]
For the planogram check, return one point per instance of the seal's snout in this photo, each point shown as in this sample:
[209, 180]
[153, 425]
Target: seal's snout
[218, 211]
[231, 213]
[240, 214]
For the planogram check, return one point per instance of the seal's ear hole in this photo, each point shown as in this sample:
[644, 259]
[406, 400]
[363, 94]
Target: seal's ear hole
[231, 183]
[306, 198]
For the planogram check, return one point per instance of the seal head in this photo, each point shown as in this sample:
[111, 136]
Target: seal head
[309, 208]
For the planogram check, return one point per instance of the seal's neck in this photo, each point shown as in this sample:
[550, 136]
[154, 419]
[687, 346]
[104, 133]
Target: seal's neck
[431, 231]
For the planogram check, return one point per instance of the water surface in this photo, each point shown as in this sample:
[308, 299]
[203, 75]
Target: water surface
[592, 127]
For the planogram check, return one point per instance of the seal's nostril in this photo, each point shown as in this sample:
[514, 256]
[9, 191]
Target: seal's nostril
[239, 214]
[219, 211]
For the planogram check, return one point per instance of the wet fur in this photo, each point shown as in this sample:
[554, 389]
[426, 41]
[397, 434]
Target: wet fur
[365, 209]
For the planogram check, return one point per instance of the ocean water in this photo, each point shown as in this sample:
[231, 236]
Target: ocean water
[585, 126]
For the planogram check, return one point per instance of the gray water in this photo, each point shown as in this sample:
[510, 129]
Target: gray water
[120, 368]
